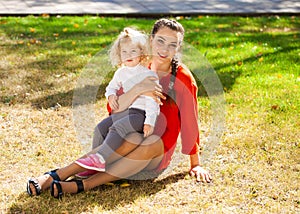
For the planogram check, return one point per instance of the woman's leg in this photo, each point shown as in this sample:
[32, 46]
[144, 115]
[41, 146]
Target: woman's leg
[132, 141]
[45, 180]
[146, 156]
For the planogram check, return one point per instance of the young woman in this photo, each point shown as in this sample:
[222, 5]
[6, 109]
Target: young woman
[178, 114]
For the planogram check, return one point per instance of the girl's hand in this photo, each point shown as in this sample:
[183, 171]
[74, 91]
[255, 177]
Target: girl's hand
[113, 102]
[148, 130]
[201, 174]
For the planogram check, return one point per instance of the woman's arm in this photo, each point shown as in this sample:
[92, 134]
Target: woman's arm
[197, 171]
[147, 86]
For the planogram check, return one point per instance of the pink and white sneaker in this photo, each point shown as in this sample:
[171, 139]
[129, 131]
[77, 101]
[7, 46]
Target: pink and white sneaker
[92, 162]
[86, 174]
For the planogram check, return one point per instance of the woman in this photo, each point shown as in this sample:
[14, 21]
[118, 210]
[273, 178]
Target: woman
[178, 113]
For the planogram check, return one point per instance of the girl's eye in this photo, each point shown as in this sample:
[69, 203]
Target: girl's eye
[133, 51]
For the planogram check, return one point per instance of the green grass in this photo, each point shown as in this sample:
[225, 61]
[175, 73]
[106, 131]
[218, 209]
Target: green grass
[256, 167]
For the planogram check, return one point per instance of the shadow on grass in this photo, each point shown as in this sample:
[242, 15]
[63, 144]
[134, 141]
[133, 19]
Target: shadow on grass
[104, 197]
[65, 98]
[57, 55]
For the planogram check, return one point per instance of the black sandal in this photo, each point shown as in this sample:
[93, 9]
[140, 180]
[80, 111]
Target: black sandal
[36, 184]
[56, 183]
[53, 174]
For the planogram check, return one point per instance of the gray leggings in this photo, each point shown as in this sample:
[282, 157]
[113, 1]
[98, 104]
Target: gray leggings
[110, 133]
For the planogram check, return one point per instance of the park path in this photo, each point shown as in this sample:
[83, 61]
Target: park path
[149, 7]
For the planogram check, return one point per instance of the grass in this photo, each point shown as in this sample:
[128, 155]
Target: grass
[256, 167]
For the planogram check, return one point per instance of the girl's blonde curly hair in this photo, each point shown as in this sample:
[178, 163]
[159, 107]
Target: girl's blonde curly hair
[129, 35]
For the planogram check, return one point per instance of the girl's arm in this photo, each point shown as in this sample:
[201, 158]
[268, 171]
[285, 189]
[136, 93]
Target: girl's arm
[145, 86]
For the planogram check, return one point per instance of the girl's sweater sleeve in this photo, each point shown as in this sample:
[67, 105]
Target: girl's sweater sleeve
[114, 85]
[152, 111]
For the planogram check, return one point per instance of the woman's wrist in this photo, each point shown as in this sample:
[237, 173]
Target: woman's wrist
[195, 160]
[137, 90]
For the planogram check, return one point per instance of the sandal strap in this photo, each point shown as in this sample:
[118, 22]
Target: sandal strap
[80, 187]
[59, 189]
[79, 183]
[36, 185]
[53, 174]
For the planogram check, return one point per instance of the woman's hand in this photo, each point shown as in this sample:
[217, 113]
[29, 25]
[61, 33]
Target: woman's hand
[149, 87]
[113, 102]
[201, 174]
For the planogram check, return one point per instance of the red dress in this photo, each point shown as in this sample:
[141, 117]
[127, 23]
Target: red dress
[179, 117]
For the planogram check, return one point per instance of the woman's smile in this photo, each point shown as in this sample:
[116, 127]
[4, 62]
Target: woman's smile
[161, 55]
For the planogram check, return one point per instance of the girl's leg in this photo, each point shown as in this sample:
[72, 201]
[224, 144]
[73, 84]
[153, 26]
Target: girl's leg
[102, 128]
[101, 131]
[131, 123]
[148, 154]
[132, 141]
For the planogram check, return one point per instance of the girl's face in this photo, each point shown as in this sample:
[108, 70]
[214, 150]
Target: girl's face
[130, 53]
[165, 44]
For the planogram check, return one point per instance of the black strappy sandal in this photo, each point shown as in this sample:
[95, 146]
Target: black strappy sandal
[53, 174]
[60, 193]
[36, 184]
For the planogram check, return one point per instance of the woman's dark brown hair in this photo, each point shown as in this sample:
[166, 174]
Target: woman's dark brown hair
[177, 27]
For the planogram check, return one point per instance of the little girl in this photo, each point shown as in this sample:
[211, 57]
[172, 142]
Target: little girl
[128, 52]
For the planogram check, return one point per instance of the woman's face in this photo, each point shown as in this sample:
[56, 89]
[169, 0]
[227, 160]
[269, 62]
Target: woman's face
[165, 44]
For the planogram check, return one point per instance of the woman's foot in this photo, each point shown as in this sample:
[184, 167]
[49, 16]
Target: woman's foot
[37, 185]
[58, 188]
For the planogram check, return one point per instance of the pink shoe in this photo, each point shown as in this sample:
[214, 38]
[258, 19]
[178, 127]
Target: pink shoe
[86, 174]
[92, 162]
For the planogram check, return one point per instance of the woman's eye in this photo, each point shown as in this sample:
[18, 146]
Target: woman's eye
[173, 46]
[160, 41]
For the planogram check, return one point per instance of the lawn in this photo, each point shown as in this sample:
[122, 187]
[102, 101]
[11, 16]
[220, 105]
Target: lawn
[256, 164]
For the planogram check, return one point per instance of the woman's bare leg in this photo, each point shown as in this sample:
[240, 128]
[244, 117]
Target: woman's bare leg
[45, 181]
[148, 154]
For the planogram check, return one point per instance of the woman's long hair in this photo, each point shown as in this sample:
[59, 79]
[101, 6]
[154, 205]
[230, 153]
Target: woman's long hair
[177, 27]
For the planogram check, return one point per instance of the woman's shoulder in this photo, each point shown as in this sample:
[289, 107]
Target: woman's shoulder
[185, 75]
